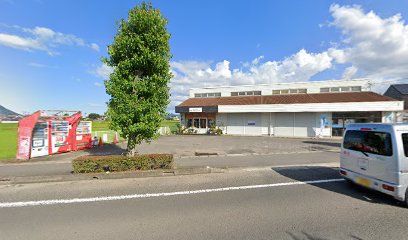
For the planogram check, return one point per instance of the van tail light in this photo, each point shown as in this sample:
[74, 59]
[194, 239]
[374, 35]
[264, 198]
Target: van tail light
[388, 187]
[365, 129]
[342, 172]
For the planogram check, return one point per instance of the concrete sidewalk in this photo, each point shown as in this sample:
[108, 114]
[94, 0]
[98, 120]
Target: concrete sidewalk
[58, 169]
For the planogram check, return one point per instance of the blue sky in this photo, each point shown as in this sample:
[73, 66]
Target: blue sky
[50, 50]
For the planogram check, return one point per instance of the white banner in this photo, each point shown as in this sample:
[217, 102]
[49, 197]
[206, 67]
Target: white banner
[196, 109]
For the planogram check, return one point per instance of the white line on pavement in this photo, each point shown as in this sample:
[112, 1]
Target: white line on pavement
[150, 195]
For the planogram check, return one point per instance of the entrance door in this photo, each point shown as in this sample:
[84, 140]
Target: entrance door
[200, 125]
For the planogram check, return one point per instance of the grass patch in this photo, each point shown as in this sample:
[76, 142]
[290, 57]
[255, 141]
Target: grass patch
[8, 140]
[118, 163]
[171, 124]
[100, 126]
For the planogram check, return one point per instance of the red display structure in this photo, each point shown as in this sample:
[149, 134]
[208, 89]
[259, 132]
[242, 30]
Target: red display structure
[49, 132]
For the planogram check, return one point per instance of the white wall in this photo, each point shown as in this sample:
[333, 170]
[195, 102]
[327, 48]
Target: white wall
[315, 107]
[265, 123]
[266, 89]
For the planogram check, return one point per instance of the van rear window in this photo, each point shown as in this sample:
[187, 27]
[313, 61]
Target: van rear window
[370, 142]
[405, 143]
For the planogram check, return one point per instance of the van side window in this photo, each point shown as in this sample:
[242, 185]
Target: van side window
[405, 143]
[371, 142]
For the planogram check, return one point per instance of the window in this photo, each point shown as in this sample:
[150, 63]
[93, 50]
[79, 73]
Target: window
[203, 123]
[204, 95]
[324, 89]
[370, 142]
[196, 123]
[334, 89]
[302, 90]
[356, 89]
[247, 93]
[289, 91]
[405, 143]
[189, 123]
[341, 89]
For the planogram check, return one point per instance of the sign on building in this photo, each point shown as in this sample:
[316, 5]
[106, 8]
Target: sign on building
[195, 109]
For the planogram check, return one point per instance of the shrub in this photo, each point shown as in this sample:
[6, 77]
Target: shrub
[118, 163]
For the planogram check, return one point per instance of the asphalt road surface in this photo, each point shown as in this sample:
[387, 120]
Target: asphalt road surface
[257, 203]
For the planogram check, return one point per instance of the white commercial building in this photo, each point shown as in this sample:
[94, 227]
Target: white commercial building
[305, 109]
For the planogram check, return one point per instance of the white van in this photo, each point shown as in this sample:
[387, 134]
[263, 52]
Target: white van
[376, 156]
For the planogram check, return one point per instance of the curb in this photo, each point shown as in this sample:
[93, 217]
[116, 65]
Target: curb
[254, 154]
[102, 176]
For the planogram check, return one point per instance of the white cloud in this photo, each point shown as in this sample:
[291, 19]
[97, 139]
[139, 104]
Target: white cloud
[37, 65]
[42, 39]
[20, 42]
[41, 65]
[98, 84]
[103, 71]
[95, 47]
[298, 67]
[377, 46]
[349, 72]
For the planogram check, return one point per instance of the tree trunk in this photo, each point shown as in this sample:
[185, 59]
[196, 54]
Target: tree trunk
[131, 152]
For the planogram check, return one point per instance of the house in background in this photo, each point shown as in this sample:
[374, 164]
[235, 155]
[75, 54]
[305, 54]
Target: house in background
[303, 109]
[399, 92]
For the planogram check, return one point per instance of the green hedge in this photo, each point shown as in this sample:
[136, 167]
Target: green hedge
[118, 163]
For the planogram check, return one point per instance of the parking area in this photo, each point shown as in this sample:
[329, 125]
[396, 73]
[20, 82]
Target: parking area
[190, 145]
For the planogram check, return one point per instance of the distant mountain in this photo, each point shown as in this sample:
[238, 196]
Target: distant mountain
[5, 111]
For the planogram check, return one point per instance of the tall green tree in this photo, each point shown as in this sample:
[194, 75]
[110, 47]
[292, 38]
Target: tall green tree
[138, 87]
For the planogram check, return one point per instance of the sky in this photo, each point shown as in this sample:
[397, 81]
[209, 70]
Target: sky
[50, 50]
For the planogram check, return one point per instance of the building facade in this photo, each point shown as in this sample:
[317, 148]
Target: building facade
[306, 109]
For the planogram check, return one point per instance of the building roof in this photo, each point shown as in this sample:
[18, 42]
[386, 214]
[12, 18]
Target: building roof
[288, 99]
[402, 88]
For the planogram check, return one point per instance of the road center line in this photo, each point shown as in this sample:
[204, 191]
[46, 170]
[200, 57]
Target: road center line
[150, 195]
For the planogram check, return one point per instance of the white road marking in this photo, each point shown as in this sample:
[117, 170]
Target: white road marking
[150, 195]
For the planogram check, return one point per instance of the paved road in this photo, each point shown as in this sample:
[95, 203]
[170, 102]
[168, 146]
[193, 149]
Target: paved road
[65, 168]
[233, 205]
